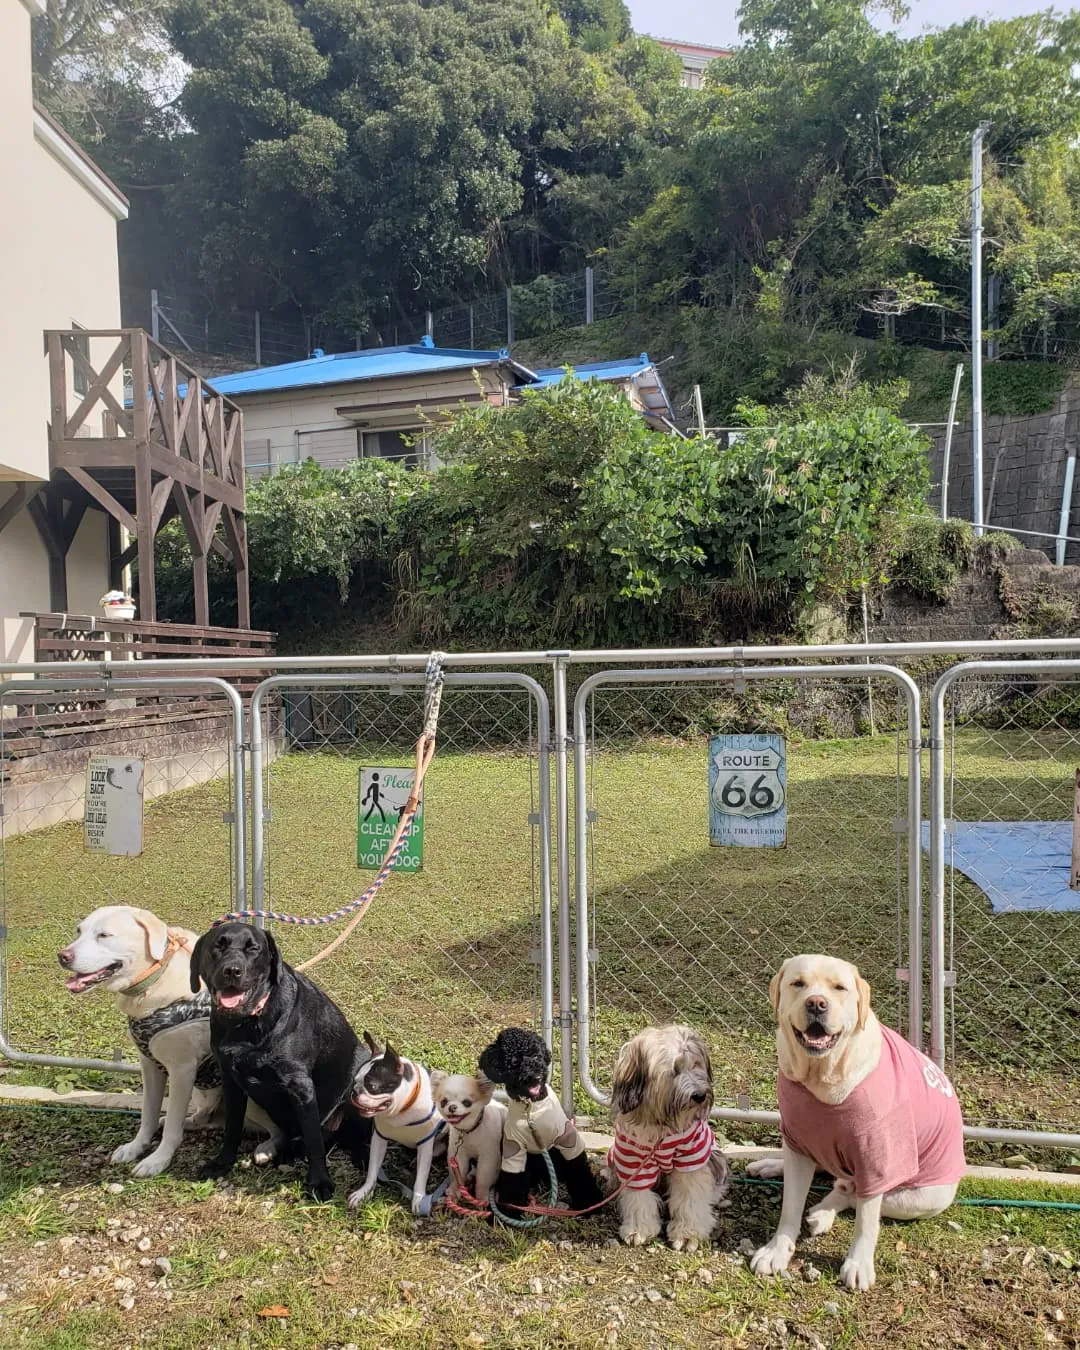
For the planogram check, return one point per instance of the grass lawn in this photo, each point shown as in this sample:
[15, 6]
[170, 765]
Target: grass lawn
[173, 1264]
[447, 956]
[680, 930]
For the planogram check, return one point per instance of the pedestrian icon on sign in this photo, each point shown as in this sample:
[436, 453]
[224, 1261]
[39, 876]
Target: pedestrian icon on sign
[374, 795]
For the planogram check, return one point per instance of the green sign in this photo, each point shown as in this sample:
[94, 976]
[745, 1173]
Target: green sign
[383, 795]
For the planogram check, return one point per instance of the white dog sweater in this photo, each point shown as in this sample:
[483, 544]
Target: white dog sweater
[638, 1166]
[533, 1127]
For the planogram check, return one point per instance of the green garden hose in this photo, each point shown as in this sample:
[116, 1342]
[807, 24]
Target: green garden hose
[984, 1202]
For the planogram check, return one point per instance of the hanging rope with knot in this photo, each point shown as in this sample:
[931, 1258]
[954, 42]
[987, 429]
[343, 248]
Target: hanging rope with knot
[425, 753]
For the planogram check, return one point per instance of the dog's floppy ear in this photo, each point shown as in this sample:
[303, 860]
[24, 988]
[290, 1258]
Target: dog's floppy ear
[628, 1085]
[491, 1063]
[703, 1050]
[155, 932]
[863, 990]
[276, 963]
[774, 990]
[195, 973]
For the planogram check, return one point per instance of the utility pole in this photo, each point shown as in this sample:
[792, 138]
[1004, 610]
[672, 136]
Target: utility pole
[976, 324]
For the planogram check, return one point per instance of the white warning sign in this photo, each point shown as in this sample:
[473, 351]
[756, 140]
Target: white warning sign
[113, 816]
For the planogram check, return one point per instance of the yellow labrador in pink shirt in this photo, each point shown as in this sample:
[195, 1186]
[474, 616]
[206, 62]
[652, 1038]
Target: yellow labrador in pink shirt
[861, 1103]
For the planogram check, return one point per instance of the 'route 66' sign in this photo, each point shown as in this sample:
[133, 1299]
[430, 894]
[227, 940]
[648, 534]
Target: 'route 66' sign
[748, 791]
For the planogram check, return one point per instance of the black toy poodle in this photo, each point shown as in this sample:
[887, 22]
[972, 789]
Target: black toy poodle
[535, 1123]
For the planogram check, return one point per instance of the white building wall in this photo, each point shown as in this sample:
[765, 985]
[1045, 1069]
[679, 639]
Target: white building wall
[58, 269]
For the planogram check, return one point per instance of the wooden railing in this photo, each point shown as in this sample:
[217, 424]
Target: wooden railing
[85, 637]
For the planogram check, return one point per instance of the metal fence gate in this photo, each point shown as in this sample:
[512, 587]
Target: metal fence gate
[581, 895]
[668, 928]
[1005, 940]
[451, 952]
[191, 867]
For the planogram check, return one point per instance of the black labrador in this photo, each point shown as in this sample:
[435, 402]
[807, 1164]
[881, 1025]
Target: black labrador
[282, 1042]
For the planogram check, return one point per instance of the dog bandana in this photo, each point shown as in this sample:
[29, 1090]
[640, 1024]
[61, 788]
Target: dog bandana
[532, 1127]
[900, 1127]
[144, 1029]
[638, 1166]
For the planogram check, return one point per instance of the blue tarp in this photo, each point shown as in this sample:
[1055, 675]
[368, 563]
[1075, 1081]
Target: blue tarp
[1018, 864]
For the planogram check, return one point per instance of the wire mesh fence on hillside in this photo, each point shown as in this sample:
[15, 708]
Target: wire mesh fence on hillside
[228, 338]
[237, 338]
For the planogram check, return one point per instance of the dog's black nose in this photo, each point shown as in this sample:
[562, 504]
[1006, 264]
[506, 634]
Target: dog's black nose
[65, 958]
[817, 1004]
[231, 972]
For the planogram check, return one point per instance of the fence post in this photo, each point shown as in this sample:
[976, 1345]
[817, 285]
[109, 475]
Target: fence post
[509, 316]
[258, 339]
[429, 324]
[562, 868]
[1066, 508]
[948, 442]
[472, 329]
[588, 295]
[155, 324]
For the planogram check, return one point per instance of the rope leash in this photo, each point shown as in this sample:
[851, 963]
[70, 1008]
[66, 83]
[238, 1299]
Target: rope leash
[474, 1208]
[471, 1207]
[425, 753]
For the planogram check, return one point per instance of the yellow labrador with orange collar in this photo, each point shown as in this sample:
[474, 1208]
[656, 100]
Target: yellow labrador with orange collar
[146, 964]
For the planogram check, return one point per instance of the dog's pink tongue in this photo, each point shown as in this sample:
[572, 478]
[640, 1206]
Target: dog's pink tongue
[535, 1092]
[231, 1000]
[74, 984]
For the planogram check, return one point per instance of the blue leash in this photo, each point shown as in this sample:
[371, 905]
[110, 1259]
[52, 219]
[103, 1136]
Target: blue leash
[532, 1220]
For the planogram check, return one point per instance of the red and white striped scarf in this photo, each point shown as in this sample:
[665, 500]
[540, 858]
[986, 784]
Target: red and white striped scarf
[639, 1166]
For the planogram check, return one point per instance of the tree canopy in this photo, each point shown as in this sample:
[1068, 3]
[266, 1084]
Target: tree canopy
[357, 158]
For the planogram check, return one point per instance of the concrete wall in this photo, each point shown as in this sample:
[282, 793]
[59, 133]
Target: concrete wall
[1023, 471]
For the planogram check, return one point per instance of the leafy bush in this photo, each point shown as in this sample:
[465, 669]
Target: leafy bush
[566, 520]
[316, 537]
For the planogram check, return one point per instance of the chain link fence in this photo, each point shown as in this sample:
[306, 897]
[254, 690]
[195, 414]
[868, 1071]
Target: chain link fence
[460, 945]
[1008, 743]
[161, 740]
[673, 924]
[666, 922]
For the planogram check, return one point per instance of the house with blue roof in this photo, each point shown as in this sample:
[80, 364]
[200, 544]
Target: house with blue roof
[378, 403]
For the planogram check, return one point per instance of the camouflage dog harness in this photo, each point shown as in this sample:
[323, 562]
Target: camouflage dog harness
[144, 1029]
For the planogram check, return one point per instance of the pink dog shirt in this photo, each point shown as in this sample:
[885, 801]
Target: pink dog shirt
[900, 1127]
[639, 1166]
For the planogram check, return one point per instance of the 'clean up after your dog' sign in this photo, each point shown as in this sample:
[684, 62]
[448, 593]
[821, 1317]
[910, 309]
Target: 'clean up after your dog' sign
[748, 791]
[383, 796]
[113, 811]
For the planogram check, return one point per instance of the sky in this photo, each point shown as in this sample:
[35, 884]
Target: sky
[714, 22]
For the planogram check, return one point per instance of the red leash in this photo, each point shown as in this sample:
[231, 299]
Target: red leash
[474, 1208]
